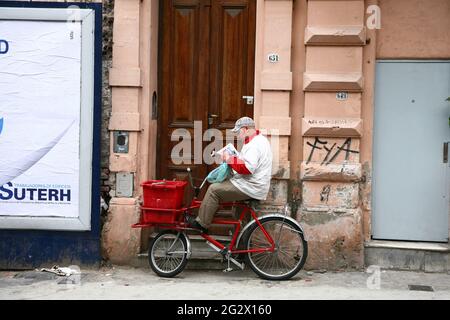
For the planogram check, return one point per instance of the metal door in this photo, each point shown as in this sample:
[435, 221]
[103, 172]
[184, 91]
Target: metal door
[410, 173]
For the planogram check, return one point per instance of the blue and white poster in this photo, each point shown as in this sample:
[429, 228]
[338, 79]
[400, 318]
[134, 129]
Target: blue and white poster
[40, 67]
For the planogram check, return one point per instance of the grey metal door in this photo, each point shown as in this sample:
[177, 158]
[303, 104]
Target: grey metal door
[410, 177]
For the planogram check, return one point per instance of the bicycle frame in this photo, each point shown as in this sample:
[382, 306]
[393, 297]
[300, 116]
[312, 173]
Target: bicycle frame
[181, 226]
[237, 224]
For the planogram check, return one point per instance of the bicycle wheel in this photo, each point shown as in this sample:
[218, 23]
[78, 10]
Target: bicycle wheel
[167, 253]
[290, 253]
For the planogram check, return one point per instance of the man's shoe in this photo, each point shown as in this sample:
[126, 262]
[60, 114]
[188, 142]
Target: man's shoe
[195, 224]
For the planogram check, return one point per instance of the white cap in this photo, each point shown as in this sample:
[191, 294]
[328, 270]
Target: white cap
[243, 122]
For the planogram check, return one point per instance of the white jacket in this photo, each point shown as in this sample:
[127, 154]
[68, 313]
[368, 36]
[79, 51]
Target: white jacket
[257, 156]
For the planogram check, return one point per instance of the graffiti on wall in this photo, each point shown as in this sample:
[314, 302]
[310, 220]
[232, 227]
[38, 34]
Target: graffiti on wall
[325, 193]
[332, 151]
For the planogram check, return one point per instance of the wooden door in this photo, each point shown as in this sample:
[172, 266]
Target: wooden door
[206, 66]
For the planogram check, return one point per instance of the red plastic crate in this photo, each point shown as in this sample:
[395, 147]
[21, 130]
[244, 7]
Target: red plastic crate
[159, 216]
[163, 194]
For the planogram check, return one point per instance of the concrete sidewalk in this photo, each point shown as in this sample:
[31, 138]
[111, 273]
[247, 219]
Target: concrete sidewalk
[132, 283]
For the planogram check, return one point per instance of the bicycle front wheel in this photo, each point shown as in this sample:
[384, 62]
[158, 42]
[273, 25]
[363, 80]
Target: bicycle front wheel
[290, 252]
[167, 253]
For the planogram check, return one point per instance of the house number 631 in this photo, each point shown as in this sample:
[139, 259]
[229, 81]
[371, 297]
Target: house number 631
[273, 57]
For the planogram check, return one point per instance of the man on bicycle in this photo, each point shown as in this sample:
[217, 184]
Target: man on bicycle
[252, 171]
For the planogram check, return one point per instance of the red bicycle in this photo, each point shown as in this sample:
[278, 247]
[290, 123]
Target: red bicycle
[273, 245]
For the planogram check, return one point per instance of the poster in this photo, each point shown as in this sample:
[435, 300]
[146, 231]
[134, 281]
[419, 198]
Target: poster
[40, 76]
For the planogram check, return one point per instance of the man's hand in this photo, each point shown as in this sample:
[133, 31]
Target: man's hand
[226, 156]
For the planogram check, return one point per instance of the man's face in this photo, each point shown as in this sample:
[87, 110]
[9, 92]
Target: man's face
[242, 133]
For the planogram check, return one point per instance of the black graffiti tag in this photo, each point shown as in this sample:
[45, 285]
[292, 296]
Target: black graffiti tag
[325, 193]
[314, 146]
[346, 146]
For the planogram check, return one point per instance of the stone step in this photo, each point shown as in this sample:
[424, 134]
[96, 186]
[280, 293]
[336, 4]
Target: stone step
[222, 229]
[203, 256]
[402, 255]
[195, 263]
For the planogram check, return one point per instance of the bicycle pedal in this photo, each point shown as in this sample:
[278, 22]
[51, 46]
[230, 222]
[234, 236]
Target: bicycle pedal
[228, 270]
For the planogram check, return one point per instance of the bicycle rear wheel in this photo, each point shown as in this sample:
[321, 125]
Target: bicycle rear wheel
[167, 253]
[290, 253]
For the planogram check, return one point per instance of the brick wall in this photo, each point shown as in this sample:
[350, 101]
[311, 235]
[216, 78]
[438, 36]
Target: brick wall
[106, 183]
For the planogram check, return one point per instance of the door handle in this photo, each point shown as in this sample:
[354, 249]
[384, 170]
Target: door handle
[446, 152]
[249, 99]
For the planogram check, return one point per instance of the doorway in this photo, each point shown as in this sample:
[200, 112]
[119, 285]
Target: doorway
[410, 155]
[206, 67]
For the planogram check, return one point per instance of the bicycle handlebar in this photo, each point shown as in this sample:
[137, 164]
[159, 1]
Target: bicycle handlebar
[196, 189]
[190, 177]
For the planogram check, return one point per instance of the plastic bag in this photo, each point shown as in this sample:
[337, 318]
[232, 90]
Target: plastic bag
[219, 174]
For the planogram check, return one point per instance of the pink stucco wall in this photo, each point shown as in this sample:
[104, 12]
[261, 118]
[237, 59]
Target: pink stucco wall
[414, 29]
[324, 47]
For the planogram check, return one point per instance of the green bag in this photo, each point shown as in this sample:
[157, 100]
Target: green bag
[219, 174]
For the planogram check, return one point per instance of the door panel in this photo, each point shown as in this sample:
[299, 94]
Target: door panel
[410, 178]
[233, 47]
[183, 59]
[182, 46]
[206, 65]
